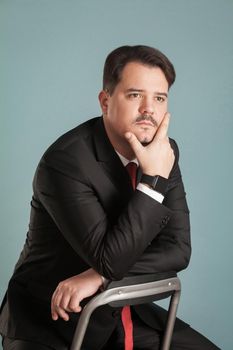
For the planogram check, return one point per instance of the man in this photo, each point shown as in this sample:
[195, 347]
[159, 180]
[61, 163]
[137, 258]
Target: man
[88, 224]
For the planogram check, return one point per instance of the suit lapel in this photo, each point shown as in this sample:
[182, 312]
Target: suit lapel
[109, 160]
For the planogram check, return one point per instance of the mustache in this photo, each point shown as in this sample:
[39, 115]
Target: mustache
[146, 117]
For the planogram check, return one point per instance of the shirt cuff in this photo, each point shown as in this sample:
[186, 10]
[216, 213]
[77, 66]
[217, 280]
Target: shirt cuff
[104, 283]
[153, 194]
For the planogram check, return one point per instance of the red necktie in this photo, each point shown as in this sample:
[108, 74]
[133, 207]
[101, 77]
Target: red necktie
[125, 313]
[132, 170]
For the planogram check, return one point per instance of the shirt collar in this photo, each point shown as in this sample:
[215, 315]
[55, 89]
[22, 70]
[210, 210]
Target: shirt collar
[126, 161]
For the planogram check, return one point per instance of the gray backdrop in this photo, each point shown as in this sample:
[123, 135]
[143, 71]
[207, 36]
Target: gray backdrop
[52, 54]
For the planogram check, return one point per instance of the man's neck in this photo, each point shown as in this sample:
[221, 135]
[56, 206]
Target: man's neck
[125, 160]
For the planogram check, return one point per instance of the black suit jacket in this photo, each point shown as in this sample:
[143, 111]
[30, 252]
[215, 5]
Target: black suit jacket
[85, 213]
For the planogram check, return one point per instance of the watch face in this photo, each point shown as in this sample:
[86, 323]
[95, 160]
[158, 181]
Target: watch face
[161, 184]
[157, 183]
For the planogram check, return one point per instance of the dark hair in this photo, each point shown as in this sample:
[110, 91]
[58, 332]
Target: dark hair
[117, 60]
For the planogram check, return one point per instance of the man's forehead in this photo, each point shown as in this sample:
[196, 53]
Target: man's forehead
[137, 76]
[135, 65]
[139, 68]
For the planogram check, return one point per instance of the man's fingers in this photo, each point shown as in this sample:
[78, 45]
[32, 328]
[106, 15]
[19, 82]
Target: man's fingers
[134, 143]
[53, 309]
[54, 314]
[55, 302]
[62, 303]
[56, 298]
[74, 303]
[163, 127]
[61, 313]
[59, 308]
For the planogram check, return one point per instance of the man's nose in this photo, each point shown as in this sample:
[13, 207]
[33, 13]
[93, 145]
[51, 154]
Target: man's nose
[146, 107]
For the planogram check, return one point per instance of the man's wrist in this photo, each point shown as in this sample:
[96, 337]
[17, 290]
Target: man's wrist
[156, 183]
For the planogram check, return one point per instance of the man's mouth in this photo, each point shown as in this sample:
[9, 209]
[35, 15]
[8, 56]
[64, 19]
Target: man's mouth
[147, 120]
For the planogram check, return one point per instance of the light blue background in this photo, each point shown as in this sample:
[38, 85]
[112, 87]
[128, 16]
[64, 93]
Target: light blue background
[52, 54]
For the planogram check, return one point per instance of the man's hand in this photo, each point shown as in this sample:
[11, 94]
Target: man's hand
[157, 158]
[70, 292]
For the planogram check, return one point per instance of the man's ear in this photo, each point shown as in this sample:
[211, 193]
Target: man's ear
[103, 99]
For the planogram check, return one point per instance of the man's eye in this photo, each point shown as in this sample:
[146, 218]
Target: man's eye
[160, 99]
[134, 95]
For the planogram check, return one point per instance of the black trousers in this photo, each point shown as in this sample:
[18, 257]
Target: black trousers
[145, 338]
[14, 344]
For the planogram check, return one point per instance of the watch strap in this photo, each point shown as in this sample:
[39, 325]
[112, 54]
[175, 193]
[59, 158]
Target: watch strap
[157, 182]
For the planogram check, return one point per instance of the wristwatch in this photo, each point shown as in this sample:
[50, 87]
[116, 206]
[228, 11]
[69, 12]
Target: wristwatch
[156, 183]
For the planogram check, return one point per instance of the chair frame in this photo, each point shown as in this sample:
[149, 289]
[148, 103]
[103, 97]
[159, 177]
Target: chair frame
[131, 295]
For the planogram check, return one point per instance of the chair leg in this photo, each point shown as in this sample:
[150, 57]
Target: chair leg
[81, 329]
[174, 301]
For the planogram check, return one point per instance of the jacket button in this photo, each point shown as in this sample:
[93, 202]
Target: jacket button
[165, 220]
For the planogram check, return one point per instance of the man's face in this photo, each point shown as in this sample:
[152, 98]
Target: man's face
[138, 104]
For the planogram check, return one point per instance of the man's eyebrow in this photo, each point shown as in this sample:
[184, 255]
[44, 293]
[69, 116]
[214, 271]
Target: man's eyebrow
[141, 90]
[161, 94]
[134, 89]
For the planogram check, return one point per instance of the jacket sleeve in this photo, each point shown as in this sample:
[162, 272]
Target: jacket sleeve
[66, 192]
[170, 250]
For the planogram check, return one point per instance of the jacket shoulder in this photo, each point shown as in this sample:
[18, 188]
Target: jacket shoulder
[175, 148]
[65, 141]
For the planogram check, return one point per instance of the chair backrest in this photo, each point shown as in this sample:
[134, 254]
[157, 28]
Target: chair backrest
[131, 291]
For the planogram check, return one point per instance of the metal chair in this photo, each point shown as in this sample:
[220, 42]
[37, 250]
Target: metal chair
[131, 291]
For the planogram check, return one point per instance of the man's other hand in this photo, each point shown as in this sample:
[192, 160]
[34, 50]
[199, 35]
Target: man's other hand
[70, 292]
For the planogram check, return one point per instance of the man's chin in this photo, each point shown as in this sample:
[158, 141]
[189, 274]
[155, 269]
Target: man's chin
[145, 140]
[145, 137]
